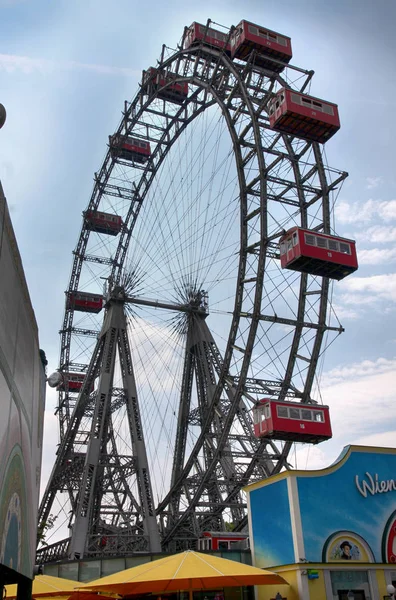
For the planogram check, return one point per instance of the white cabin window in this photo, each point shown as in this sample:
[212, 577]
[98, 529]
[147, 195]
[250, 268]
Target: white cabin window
[295, 98]
[294, 413]
[223, 545]
[252, 29]
[333, 245]
[282, 412]
[306, 414]
[328, 109]
[309, 239]
[318, 416]
[345, 248]
[321, 242]
[283, 248]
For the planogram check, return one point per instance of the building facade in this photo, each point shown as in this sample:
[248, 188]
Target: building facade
[330, 533]
[22, 399]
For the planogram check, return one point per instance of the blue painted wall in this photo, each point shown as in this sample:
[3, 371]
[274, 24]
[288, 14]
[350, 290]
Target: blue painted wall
[271, 525]
[332, 502]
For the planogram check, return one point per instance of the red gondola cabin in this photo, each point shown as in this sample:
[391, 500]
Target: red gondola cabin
[268, 44]
[304, 116]
[222, 540]
[129, 148]
[73, 381]
[317, 253]
[165, 85]
[84, 302]
[196, 35]
[292, 421]
[102, 222]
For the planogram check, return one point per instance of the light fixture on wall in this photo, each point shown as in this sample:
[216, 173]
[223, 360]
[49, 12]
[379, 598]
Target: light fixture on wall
[391, 590]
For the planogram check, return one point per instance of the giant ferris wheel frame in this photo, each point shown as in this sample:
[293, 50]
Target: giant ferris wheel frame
[272, 170]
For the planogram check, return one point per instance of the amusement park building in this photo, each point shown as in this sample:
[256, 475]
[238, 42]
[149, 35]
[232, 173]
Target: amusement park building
[22, 398]
[333, 531]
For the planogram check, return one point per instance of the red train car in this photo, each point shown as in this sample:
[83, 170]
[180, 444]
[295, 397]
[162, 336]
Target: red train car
[84, 302]
[165, 85]
[292, 421]
[222, 540]
[217, 39]
[74, 382]
[102, 222]
[129, 148]
[268, 44]
[304, 116]
[318, 253]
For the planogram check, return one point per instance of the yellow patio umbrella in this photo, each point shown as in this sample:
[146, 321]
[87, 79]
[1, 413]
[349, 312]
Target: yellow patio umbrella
[186, 571]
[46, 586]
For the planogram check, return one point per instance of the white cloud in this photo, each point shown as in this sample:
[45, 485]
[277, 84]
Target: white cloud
[365, 368]
[362, 401]
[12, 62]
[378, 234]
[373, 182]
[376, 256]
[365, 212]
[345, 312]
[386, 439]
[380, 286]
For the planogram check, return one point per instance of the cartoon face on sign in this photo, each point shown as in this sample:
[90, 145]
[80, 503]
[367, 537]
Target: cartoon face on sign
[346, 545]
[345, 551]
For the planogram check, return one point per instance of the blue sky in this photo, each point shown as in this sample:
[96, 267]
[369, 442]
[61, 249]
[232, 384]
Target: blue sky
[66, 68]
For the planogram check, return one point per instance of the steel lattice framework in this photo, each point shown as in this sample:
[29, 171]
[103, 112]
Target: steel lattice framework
[275, 321]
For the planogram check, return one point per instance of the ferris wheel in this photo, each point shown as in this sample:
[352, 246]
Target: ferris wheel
[209, 170]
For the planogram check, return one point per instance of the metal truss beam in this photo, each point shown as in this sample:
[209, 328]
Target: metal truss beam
[100, 473]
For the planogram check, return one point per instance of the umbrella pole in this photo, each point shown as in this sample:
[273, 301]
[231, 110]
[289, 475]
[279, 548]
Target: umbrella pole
[190, 595]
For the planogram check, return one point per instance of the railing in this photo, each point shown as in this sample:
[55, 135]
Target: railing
[52, 552]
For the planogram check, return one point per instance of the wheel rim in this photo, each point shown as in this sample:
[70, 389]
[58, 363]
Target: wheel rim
[278, 319]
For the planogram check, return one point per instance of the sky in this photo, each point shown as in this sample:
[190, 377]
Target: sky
[66, 68]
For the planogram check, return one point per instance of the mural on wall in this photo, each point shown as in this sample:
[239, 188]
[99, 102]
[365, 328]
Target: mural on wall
[271, 529]
[346, 545]
[356, 497]
[345, 513]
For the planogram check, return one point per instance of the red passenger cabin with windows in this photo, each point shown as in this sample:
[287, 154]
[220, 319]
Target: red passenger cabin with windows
[318, 253]
[304, 116]
[73, 382]
[196, 35]
[292, 421]
[222, 540]
[84, 302]
[102, 222]
[129, 148]
[268, 45]
[165, 86]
